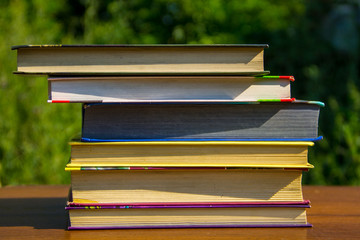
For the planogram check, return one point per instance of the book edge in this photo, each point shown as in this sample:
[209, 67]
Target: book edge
[195, 226]
[15, 47]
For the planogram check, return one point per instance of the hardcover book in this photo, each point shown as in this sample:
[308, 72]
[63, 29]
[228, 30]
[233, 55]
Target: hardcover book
[167, 88]
[129, 185]
[237, 121]
[270, 154]
[187, 216]
[141, 59]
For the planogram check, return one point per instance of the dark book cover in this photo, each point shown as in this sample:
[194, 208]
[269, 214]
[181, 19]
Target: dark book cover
[296, 120]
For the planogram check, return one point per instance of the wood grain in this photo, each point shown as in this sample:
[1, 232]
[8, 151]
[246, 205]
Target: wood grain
[37, 212]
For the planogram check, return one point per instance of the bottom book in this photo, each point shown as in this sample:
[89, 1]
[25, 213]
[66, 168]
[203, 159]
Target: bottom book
[188, 216]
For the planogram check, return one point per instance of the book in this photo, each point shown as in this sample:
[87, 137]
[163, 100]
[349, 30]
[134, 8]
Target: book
[187, 216]
[228, 121]
[140, 185]
[167, 88]
[190, 153]
[141, 59]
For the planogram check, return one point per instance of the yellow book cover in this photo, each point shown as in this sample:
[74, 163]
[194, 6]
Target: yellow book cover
[266, 154]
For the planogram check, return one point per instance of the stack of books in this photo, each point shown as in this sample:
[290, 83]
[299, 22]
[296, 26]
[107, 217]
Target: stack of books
[177, 136]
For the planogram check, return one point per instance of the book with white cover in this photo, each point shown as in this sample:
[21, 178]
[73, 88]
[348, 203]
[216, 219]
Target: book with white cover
[167, 88]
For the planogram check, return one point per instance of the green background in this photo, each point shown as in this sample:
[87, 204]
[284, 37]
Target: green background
[316, 41]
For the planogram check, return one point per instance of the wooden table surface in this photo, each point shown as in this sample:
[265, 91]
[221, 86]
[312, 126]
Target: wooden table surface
[37, 212]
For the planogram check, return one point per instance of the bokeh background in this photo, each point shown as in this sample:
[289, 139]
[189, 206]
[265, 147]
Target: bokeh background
[315, 41]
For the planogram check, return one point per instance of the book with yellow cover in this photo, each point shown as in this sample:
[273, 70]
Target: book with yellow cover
[269, 154]
[131, 185]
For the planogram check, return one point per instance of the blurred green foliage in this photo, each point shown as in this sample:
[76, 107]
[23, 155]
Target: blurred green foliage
[316, 41]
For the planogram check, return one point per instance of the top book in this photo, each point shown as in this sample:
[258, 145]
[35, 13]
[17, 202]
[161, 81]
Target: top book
[228, 59]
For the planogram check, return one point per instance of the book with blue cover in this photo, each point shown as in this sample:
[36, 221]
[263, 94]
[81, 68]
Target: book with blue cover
[261, 120]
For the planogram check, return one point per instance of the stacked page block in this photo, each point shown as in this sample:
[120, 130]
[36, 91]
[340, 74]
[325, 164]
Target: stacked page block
[178, 136]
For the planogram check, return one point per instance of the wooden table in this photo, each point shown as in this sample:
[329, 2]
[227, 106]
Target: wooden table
[37, 212]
